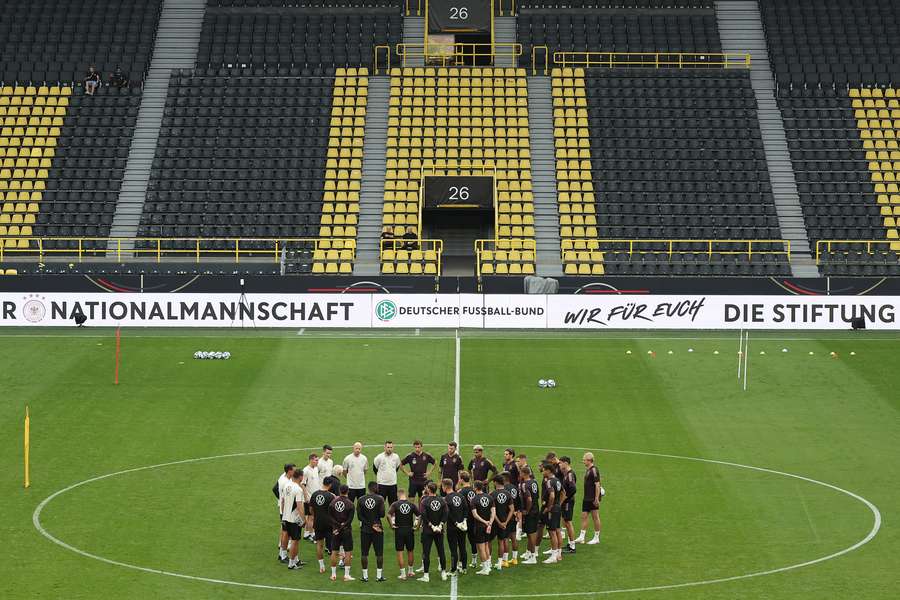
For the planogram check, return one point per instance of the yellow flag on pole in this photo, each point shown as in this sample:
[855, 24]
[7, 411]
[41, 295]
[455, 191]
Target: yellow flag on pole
[27, 442]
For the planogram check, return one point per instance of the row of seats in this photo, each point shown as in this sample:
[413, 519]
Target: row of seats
[54, 41]
[343, 170]
[832, 43]
[263, 177]
[397, 260]
[296, 37]
[577, 209]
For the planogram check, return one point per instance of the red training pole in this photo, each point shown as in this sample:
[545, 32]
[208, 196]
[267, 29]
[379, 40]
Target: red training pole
[118, 348]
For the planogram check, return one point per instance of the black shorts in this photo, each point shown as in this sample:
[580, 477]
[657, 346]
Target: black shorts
[323, 533]
[510, 531]
[371, 539]
[293, 529]
[355, 494]
[550, 520]
[568, 511]
[481, 535]
[416, 489]
[404, 540]
[388, 492]
[530, 523]
[588, 505]
[343, 538]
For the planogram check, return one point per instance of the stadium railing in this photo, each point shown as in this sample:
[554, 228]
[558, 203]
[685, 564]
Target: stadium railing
[826, 247]
[461, 52]
[680, 60]
[676, 246]
[413, 257]
[81, 248]
[510, 253]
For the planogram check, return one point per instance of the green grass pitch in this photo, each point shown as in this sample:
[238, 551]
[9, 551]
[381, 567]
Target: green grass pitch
[669, 522]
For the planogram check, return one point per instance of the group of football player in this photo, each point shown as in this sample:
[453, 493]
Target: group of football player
[466, 509]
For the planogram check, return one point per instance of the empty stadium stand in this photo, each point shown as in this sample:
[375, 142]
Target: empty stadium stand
[240, 157]
[618, 27]
[285, 36]
[823, 52]
[463, 121]
[675, 155]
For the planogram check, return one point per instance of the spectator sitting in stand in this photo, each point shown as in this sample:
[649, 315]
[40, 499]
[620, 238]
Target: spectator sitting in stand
[91, 81]
[118, 79]
[387, 236]
[411, 237]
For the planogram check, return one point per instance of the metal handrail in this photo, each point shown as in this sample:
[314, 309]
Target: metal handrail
[480, 247]
[400, 244]
[534, 50]
[825, 246]
[158, 250]
[657, 60]
[710, 246]
[375, 65]
[460, 51]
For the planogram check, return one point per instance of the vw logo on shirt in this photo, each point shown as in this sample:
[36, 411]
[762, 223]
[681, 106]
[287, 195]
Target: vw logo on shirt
[339, 506]
[370, 503]
[405, 508]
[484, 501]
[435, 505]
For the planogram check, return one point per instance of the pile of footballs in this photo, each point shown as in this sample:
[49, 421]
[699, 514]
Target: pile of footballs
[200, 355]
[547, 383]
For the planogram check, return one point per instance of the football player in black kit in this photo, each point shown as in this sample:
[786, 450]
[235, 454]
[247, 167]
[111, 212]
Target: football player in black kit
[418, 466]
[466, 489]
[479, 466]
[370, 510]
[451, 464]
[510, 466]
[530, 494]
[504, 523]
[570, 486]
[402, 515]
[552, 496]
[320, 502]
[516, 523]
[457, 526]
[484, 513]
[434, 520]
[341, 511]
[590, 504]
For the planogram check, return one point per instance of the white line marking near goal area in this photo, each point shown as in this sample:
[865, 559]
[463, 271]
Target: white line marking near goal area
[454, 580]
[876, 526]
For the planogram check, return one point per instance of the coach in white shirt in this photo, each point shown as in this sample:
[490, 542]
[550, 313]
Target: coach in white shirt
[386, 466]
[355, 466]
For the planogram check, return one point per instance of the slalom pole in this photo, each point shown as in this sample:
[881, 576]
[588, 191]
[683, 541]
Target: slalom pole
[746, 359]
[27, 449]
[740, 350]
[118, 351]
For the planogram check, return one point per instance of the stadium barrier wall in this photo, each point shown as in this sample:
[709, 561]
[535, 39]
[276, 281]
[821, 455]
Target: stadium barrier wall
[479, 311]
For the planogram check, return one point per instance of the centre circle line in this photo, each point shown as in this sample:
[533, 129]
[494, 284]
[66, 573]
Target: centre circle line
[877, 520]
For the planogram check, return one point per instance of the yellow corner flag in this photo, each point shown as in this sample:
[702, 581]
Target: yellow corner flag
[27, 440]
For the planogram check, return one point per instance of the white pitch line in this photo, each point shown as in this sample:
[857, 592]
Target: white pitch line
[454, 580]
[301, 331]
[872, 533]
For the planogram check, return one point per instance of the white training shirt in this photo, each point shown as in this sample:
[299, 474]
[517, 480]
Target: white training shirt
[293, 493]
[326, 468]
[282, 483]
[312, 481]
[355, 469]
[387, 466]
